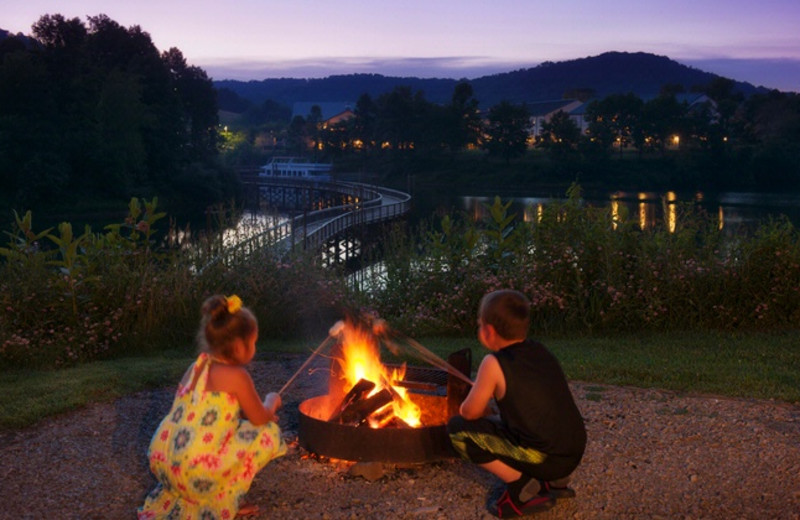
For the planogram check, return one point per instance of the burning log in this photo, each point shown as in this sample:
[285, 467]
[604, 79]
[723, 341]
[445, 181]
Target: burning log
[395, 422]
[382, 417]
[359, 391]
[358, 411]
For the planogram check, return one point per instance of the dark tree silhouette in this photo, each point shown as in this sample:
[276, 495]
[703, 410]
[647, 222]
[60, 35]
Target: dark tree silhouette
[94, 110]
[507, 130]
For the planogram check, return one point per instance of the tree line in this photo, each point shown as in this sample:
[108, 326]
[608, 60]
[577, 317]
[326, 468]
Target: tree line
[728, 141]
[93, 111]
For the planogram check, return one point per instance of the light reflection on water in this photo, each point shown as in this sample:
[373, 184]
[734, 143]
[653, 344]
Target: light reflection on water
[249, 224]
[734, 212]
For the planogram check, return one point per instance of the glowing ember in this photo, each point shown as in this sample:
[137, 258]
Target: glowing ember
[361, 360]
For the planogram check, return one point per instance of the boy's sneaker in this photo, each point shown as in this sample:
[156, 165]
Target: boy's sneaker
[507, 507]
[558, 492]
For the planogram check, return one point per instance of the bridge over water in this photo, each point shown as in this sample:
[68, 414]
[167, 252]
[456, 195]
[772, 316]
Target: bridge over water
[329, 216]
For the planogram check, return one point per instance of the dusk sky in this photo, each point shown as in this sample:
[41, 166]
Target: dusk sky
[758, 42]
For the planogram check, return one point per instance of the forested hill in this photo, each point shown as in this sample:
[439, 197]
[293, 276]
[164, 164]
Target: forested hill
[612, 72]
[287, 91]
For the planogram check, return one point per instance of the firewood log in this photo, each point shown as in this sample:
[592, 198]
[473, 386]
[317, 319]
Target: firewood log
[358, 411]
[359, 391]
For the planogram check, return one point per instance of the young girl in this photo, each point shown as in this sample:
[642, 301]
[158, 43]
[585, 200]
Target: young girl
[219, 433]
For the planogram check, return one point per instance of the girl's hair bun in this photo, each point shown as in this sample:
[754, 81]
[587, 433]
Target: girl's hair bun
[215, 308]
[234, 303]
[224, 320]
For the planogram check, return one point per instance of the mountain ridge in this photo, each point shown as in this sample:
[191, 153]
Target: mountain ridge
[612, 72]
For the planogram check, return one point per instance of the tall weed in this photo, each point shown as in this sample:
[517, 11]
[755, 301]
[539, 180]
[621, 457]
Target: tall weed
[588, 270]
[68, 297]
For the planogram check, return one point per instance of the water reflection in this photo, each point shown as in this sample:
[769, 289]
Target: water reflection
[247, 225]
[733, 212]
[250, 224]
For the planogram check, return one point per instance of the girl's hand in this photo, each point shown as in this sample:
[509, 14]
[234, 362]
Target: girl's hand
[272, 402]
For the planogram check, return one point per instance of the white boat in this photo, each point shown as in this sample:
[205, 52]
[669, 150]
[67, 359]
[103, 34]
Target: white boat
[296, 168]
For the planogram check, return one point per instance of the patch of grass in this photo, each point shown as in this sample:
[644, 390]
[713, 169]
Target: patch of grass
[30, 395]
[758, 365]
[754, 365]
[595, 389]
[26, 396]
[763, 366]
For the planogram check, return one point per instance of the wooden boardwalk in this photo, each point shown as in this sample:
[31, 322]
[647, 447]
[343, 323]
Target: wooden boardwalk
[311, 230]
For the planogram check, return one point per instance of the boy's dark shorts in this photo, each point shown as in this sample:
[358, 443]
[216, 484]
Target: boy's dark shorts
[486, 439]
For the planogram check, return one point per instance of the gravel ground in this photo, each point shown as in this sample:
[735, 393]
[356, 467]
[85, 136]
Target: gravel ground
[652, 454]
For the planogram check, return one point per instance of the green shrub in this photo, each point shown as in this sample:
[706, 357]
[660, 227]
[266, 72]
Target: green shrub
[588, 270]
[66, 298]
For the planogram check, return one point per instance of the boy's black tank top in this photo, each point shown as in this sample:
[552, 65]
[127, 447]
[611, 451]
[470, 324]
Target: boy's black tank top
[538, 406]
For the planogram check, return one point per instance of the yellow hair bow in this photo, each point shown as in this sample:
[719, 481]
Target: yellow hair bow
[234, 303]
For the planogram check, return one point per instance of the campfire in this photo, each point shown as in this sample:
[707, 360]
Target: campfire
[383, 412]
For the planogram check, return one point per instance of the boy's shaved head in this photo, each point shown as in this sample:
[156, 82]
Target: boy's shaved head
[508, 311]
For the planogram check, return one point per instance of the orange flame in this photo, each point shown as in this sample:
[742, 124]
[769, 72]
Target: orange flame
[361, 360]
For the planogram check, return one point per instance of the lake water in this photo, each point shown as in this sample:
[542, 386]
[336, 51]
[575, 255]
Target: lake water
[735, 212]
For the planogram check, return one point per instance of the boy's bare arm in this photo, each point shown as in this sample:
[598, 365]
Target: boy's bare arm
[488, 384]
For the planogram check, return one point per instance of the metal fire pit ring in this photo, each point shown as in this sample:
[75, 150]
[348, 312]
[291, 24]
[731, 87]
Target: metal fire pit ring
[429, 443]
[365, 444]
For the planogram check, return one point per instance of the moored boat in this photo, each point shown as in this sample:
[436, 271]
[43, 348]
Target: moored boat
[296, 168]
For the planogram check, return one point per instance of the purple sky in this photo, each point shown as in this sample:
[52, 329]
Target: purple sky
[758, 42]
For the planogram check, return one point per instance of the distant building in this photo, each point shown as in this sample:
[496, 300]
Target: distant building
[697, 101]
[540, 113]
[332, 112]
[578, 116]
[693, 101]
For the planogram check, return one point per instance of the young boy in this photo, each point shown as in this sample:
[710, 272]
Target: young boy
[539, 438]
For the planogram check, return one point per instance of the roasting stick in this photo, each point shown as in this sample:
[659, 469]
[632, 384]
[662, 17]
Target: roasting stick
[381, 328]
[332, 334]
[435, 360]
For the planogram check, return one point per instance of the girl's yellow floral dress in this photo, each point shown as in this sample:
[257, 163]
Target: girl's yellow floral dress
[204, 455]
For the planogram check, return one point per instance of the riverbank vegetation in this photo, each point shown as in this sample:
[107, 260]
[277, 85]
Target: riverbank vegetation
[591, 270]
[68, 297]
[88, 315]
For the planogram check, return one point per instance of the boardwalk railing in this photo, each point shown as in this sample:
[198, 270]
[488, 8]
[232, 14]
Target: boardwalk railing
[311, 230]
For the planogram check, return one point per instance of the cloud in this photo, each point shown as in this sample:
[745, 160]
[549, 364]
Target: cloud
[781, 73]
[455, 67]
